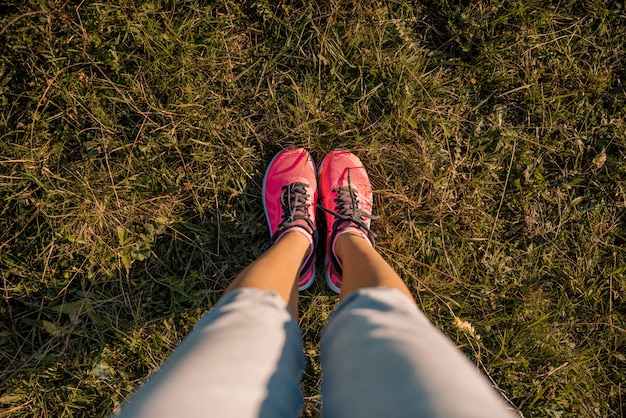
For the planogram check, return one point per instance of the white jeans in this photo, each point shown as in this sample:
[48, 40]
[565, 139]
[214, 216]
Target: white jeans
[381, 357]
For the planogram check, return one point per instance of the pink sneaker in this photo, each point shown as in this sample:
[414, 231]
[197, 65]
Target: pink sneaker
[346, 195]
[289, 197]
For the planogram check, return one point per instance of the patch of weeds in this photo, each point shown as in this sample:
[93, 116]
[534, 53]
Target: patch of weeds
[134, 137]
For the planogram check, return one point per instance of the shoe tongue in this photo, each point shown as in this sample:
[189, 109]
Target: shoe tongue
[346, 226]
[362, 203]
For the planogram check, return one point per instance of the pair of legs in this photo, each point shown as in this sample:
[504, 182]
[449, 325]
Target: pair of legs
[380, 355]
[277, 269]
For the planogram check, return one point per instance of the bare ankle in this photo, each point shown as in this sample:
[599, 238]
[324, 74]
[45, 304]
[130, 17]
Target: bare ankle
[346, 240]
[298, 239]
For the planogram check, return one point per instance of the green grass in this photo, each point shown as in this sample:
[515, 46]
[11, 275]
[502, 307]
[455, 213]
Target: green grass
[134, 136]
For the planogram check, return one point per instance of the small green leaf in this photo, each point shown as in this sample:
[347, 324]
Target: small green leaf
[73, 308]
[10, 398]
[121, 235]
[126, 260]
[193, 227]
[52, 329]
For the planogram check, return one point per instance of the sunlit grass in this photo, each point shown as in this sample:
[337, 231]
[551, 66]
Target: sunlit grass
[133, 138]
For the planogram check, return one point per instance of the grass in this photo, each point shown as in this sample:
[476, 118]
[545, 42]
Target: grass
[134, 135]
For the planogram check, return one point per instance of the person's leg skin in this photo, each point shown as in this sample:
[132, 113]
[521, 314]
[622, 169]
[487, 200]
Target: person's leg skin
[371, 270]
[382, 357]
[283, 261]
[245, 357]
